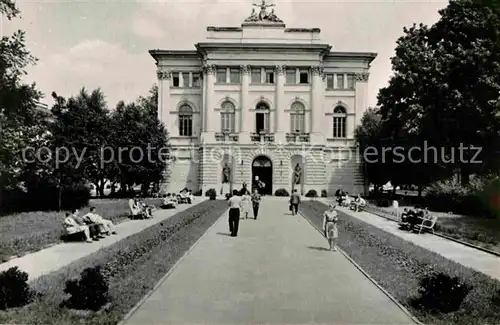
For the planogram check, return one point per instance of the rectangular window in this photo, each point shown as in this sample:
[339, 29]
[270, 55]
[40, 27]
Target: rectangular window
[339, 129]
[227, 122]
[234, 76]
[175, 80]
[340, 81]
[297, 123]
[196, 80]
[269, 76]
[350, 81]
[304, 77]
[329, 81]
[185, 126]
[256, 76]
[290, 76]
[221, 75]
[262, 123]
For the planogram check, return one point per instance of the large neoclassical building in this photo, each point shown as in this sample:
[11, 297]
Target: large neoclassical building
[255, 101]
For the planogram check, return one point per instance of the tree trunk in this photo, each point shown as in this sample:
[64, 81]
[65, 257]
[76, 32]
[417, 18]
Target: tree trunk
[101, 188]
[420, 188]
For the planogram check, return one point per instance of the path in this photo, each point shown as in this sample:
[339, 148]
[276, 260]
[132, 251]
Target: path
[465, 255]
[55, 257]
[276, 271]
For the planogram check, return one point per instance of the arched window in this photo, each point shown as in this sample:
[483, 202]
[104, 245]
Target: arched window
[339, 122]
[297, 118]
[185, 121]
[262, 118]
[227, 117]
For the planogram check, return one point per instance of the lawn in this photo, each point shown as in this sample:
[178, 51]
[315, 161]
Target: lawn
[132, 267]
[398, 266]
[482, 232]
[26, 232]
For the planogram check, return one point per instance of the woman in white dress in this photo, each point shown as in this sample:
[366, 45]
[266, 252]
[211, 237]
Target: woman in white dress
[245, 204]
[330, 230]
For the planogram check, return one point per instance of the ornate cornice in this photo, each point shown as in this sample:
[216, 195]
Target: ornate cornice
[209, 68]
[362, 77]
[245, 69]
[280, 69]
[164, 74]
[317, 70]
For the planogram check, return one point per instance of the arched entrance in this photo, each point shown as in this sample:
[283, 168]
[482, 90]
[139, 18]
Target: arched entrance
[262, 169]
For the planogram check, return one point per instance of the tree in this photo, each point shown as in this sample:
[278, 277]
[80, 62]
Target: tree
[445, 86]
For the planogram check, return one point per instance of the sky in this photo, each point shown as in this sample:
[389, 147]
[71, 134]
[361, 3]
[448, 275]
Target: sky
[104, 44]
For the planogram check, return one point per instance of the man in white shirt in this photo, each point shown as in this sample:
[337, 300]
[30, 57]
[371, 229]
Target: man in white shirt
[72, 227]
[234, 213]
[359, 202]
[107, 225]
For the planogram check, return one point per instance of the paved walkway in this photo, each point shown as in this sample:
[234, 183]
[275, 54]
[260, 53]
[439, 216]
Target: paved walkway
[55, 257]
[276, 271]
[465, 255]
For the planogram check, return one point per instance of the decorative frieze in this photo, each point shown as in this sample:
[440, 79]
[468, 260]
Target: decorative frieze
[209, 69]
[317, 70]
[164, 74]
[362, 77]
[279, 69]
[245, 69]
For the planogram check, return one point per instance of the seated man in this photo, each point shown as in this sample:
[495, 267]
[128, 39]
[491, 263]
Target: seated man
[94, 229]
[347, 200]
[169, 202]
[183, 197]
[72, 227]
[358, 203]
[190, 196]
[147, 210]
[107, 225]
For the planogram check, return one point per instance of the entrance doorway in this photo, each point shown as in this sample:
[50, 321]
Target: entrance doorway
[262, 169]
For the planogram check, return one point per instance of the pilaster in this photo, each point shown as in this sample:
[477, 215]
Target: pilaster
[164, 77]
[244, 105]
[361, 93]
[209, 110]
[317, 110]
[279, 107]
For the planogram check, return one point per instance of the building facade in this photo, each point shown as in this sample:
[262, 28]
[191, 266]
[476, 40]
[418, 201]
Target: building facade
[265, 102]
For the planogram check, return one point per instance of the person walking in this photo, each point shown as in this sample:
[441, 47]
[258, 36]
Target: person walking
[255, 203]
[294, 202]
[330, 229]
[234, 213]
[245, 205]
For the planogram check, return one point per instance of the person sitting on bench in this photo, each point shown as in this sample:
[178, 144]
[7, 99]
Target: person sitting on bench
[107, 225]
[136, 210]
[358, 203]
[147, 210]
[94, 229]
[340, 195]
[169, 202]
[347, 200]
[72, 227]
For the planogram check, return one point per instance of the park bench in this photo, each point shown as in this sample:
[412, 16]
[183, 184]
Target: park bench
[427, 224]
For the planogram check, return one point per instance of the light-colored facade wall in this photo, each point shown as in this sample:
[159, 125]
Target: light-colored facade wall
[327, 161]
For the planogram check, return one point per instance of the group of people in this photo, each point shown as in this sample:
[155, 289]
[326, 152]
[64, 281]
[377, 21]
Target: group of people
[140, 210]
[355, 204]
[412, 217]
[92, 225]
[171, 200]
[240, 204]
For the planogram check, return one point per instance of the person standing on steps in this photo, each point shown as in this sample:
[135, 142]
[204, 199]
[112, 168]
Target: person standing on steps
[234, 213]
[294, 202]
[255, 203]
[330, 230]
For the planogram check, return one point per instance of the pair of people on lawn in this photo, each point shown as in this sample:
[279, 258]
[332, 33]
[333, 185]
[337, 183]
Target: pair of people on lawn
[139, 209]
[92, 225]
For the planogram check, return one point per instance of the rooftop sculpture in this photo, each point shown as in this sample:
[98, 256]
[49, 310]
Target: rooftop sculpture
[263, 15]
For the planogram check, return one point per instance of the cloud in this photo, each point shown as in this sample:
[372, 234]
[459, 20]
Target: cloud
[93, 64]
[147, 28]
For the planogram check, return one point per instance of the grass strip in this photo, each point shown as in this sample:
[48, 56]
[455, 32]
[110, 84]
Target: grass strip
[398, 265]
[132, 267]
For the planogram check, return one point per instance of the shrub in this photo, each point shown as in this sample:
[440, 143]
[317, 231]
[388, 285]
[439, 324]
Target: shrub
[211, 193]
[312, 193]
[440, 293]
[281, 192]
[198, 193]
[88, 293]
[324, 193]
[14, 289]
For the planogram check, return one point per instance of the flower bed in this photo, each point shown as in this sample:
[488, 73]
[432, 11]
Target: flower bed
[31, 231]
[398, 266]
[132, 267]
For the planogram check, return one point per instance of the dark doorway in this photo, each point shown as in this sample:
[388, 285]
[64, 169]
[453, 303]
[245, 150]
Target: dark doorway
[260, 122]
[262, 169]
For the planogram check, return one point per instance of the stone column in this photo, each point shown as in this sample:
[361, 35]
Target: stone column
[280, 105]
[361, 93]
[164, 78]
[317, 110]
[245, 124]
[208, 110]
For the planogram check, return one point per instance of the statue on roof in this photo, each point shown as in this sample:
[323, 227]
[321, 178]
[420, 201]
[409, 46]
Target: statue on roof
[263, 15]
